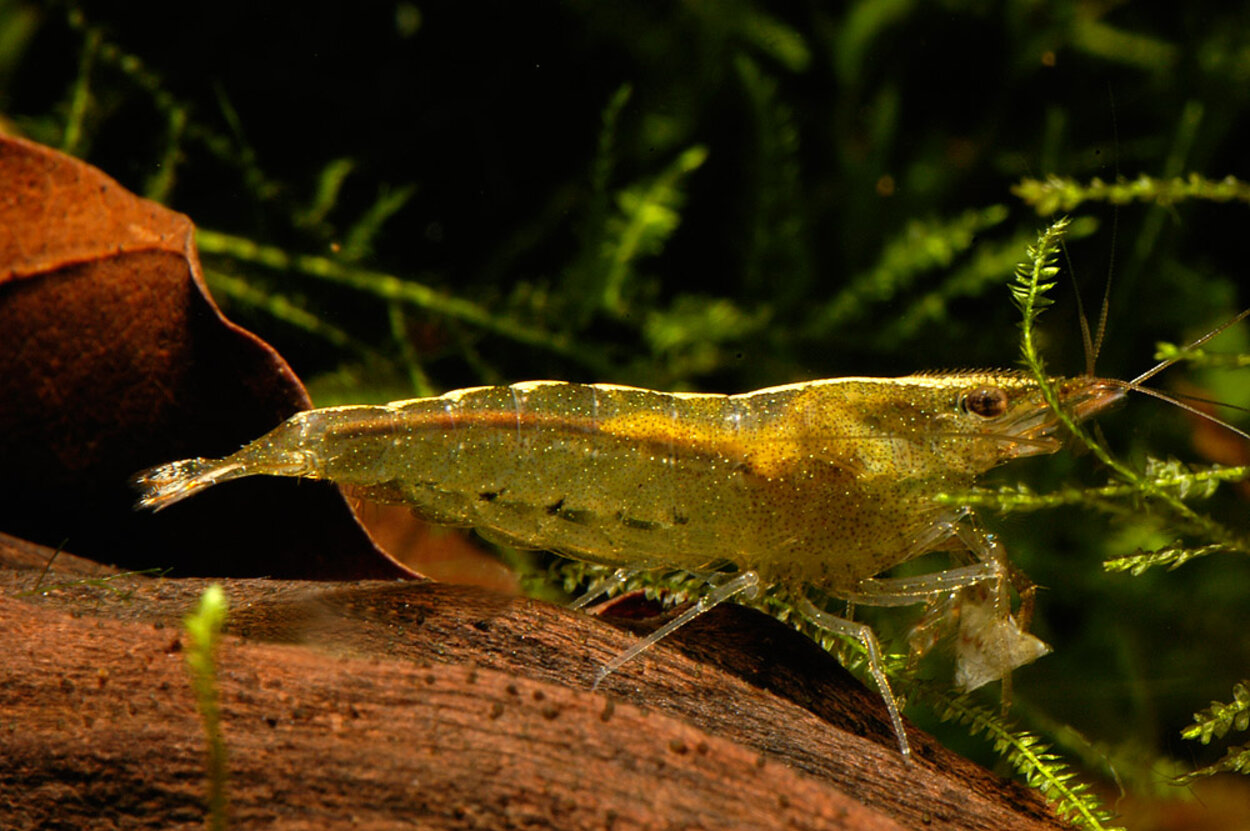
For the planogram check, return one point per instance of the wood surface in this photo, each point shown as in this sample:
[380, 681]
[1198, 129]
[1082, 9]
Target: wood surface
[399, 704]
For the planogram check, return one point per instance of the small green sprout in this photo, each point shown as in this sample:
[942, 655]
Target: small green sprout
[203, 633]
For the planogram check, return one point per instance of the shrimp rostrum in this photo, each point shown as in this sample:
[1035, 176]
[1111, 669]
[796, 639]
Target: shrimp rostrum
[807, 490]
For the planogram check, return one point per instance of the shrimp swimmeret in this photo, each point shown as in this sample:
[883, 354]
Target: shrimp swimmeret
[813, 486]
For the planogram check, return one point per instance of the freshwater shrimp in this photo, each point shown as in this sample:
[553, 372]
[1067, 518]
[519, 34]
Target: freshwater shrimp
[811, 487]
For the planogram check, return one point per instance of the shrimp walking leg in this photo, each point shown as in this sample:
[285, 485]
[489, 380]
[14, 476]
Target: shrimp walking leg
[991, 642]
[991, 566]
[987, 548]
[746, 583]
[905, 591]
[602, 586]
[863, 633]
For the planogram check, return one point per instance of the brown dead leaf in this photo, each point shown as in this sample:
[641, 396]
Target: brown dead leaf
[439, 552]
[113, 357]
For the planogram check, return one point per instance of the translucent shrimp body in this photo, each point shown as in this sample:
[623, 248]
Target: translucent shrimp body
[823, 484]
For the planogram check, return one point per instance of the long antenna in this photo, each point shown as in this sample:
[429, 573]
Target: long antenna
[1162, 365]
[1087, 343]
[1115, 230]
[1163, 396]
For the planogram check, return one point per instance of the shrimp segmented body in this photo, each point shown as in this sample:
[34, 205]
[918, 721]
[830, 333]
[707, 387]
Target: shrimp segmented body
[820, 485]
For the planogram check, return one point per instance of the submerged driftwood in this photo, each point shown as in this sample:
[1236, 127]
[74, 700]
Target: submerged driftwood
[400, 704]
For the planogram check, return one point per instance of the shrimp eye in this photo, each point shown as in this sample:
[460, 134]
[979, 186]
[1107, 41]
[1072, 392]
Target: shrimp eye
[987, 402]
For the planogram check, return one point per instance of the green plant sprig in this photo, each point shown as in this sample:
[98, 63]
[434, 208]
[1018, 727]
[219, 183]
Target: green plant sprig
[203, 628]
[1033, 759]
[393, 288]
[1173, 558]
[1201, 358]
[283, 308]
[1055, 193]
[1021, 498]
[1033, 279]
[1216, 722]
[1235, 760]
[921, 246]
[99, 49]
